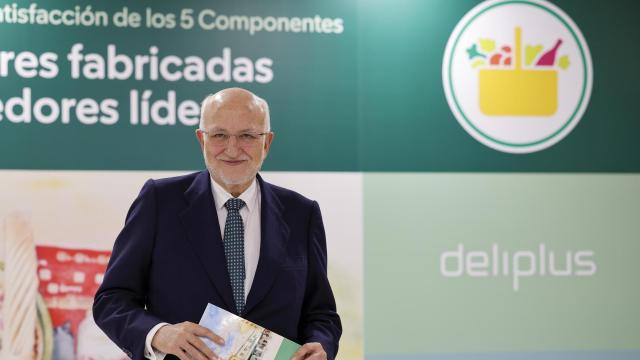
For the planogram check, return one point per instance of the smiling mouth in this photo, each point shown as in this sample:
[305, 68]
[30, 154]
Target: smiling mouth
[233, 162]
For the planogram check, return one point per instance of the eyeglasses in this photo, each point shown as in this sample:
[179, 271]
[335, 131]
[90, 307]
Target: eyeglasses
[221, 138]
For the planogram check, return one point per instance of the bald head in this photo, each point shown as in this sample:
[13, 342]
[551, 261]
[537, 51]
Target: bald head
[236, 101]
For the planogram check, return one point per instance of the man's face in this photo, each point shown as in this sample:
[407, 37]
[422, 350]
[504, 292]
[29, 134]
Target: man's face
[235, 163]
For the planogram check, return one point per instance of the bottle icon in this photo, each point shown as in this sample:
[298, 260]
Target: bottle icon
[549, 58]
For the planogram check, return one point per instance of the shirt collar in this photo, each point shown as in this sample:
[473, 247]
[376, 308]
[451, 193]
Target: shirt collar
[249, 196]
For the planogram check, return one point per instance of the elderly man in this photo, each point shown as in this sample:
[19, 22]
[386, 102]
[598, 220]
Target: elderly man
[222, 236]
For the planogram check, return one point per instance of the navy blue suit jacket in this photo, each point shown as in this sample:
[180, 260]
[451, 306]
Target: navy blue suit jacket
[168, 263]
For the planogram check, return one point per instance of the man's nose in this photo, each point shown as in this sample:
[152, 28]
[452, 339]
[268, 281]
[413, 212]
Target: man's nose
[232, 148]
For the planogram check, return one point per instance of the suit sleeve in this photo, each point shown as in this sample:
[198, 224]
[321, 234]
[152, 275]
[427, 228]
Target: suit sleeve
[119, 304]
[320, 321]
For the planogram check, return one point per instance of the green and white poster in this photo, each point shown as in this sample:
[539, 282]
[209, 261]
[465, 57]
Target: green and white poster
[476, 162]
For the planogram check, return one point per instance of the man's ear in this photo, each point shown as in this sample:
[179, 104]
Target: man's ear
[200, 137]
[267, 143]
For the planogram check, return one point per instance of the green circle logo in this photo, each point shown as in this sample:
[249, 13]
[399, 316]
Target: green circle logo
[517, 74]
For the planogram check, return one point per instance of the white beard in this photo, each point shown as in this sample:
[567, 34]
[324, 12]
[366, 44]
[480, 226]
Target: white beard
[237, 181]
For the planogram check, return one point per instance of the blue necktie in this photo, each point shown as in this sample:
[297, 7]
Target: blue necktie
[234, 250]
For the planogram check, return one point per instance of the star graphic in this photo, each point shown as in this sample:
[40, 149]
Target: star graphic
[473, 52]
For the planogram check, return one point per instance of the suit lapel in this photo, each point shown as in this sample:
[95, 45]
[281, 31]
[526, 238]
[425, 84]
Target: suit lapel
[274, 235]
[200, 220]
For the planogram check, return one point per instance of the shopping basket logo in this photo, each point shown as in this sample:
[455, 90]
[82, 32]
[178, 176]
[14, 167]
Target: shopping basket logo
[517, 74]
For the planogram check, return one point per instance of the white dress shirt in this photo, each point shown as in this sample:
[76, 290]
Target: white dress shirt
[250, 214]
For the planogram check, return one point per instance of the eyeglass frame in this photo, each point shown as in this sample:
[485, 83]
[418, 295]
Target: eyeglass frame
[255, 136]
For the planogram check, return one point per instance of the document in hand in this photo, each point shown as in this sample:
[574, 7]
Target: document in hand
[244, 340]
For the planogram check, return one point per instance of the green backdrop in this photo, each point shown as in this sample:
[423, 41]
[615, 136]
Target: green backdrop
[370, 100]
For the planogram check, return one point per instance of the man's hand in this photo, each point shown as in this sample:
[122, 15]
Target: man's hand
[310, 351]
[182, 341]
